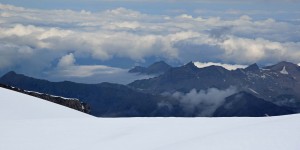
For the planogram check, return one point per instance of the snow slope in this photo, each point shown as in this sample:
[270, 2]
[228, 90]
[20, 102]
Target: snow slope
[37, 124]
[16, 105]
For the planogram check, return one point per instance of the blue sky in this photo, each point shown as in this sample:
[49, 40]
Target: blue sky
[90, 41]
[280, 9]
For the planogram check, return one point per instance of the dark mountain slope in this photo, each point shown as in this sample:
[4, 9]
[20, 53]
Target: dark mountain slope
[154, 69]
[186, 78]
[267, 83]
[275, 90]
[105, 99]
[244, 104]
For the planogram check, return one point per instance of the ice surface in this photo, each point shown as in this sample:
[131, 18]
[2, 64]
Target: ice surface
[28, 123]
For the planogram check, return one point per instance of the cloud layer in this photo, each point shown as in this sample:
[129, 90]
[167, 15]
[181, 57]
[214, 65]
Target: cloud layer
[49, 40]
[203, 102]
[68, 68]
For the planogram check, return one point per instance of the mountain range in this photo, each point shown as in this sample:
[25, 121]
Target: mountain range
[104, 99]
[183, 91]
[279, 83]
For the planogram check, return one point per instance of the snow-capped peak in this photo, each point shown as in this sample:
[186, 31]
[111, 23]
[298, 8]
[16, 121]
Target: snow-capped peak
[283, 71]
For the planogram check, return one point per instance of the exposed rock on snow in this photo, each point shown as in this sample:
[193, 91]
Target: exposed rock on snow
[68, 102]
[283, 71]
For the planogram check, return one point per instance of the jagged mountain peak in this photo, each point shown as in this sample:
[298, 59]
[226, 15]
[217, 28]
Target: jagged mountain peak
[157, 67]
[12, 73]
[154, 69]
[160, 63]
[253, 67]
[215, 67]
[190, 65]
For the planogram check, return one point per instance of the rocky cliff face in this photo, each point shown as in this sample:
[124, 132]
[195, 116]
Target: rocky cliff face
[68, 102]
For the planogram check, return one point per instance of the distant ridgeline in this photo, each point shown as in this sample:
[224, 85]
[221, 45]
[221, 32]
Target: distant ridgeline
[68, 102]
[154, 69]
[185, 91]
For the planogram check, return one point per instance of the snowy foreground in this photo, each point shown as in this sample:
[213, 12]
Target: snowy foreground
[28, 123]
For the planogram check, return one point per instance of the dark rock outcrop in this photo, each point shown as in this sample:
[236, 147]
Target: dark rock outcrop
[68, 102]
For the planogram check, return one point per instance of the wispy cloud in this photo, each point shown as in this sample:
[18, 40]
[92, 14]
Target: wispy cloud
[203, 102]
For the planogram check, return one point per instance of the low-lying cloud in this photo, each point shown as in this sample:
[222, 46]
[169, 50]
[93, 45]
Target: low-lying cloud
[69, 69]
[203, 102]
[226, 66]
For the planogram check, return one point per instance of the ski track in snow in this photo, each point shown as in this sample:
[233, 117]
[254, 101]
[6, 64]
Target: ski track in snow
[29, 123]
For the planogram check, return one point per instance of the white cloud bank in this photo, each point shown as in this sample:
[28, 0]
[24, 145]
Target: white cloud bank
[68, 69]
[42, 37]
[226, 66]
[203, 102]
